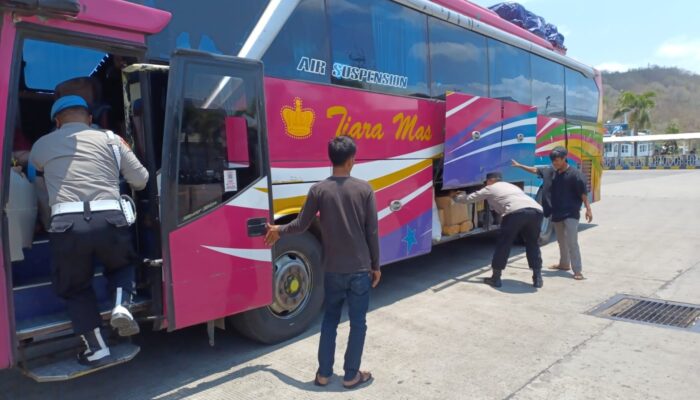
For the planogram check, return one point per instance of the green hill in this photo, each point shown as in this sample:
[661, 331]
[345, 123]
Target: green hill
[677, 95]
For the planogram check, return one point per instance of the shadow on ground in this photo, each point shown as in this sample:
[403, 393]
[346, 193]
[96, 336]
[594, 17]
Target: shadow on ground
[170, 361]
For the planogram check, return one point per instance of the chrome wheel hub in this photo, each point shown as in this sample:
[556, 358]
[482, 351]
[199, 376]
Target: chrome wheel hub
[291, 285]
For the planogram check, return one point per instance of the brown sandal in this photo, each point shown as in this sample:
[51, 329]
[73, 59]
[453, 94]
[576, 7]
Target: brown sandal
[579, 277]
[317, 382]
[364, 378]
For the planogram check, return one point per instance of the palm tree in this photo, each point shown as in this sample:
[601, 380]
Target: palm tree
[636, 107]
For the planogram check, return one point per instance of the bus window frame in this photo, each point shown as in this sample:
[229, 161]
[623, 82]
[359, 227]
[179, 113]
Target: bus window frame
[169, 218]
[59, 36]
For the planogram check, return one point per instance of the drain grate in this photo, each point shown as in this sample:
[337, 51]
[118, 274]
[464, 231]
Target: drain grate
[650, 311]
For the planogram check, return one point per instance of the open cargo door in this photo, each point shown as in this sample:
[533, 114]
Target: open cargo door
[472, 139]
[517, 140]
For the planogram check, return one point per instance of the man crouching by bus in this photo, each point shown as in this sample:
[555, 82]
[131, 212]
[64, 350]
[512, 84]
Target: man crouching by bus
[349, 228]
[520, 215]
[81, 168]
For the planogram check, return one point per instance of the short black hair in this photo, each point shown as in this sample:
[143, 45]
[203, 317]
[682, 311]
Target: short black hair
[341, 149]
[494, 175]
[558, 152]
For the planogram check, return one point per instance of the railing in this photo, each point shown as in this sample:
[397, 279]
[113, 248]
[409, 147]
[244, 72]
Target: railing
[688, 161]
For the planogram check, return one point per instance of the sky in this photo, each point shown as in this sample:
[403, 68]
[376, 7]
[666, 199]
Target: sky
[616, 35]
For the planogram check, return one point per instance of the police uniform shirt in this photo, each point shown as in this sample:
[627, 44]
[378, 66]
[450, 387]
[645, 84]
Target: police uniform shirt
[79, 164]
[503, 197]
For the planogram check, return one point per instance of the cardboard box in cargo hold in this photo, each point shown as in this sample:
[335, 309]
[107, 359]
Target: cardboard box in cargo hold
[443, 202]
[455, 213]
[449, 230]
[466, 226]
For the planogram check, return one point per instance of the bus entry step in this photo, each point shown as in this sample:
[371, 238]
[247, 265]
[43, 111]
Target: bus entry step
[68, 368]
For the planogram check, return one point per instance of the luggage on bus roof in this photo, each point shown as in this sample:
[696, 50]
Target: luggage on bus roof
[519, 15]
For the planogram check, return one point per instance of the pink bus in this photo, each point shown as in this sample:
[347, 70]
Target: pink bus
[231, 109]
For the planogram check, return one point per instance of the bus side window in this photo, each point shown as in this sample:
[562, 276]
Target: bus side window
[457, 60]
[212, 166]
[301, 49]
[380, 46]
[548, 92]
[509, 73]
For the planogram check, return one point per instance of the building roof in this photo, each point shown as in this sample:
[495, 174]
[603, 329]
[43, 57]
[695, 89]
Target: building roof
[653, 138]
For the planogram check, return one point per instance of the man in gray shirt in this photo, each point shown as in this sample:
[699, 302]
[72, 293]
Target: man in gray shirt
[349, 228]
[81, 168]
[520, 215]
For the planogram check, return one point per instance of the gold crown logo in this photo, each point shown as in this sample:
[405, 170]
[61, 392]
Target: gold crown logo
[298, 121]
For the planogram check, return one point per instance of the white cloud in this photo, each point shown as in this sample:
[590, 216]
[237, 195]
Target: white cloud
[680, 49]
[457, 51]
[613, 67]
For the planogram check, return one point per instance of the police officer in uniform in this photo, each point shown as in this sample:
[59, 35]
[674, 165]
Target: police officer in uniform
[81, 168]
[520, 215]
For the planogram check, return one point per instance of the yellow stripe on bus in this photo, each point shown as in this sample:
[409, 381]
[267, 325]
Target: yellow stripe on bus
[292, 205]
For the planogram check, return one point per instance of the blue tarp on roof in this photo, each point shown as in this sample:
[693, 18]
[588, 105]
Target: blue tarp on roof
[525, 19]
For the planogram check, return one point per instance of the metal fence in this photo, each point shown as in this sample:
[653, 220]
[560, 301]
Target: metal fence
[688, 161]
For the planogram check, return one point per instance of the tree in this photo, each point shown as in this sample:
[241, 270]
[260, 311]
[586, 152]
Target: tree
[671, 145]
[637, 108]
[673, 127]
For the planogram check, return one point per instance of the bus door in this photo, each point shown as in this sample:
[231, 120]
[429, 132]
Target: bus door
[518, 140]
[215, 198]
[472, 139]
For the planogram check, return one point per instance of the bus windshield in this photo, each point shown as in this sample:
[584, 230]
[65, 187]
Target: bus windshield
[66, 62]
[212, 26]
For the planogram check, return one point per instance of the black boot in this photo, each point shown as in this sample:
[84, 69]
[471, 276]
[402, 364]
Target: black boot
[122, 320]
[495, 279]
[96, 351]
[537, 278]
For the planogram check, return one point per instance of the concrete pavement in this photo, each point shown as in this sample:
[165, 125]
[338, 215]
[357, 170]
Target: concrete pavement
[436, 332]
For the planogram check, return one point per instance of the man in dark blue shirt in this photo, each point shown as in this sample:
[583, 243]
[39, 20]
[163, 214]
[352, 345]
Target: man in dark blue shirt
[565, 191]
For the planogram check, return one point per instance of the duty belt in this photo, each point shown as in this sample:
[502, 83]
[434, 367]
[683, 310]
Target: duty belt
[82, 207]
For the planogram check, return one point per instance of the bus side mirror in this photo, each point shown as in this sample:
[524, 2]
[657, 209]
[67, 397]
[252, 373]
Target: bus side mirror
[237, 142]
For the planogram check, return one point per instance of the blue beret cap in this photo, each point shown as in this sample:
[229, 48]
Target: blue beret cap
[67, 102]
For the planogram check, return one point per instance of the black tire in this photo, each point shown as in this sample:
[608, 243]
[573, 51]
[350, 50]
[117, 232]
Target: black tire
[267, 324]
[547, 230]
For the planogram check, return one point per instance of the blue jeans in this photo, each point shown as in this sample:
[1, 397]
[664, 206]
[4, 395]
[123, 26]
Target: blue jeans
[338, 288]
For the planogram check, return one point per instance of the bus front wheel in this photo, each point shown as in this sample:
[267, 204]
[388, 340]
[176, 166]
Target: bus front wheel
[297, 292]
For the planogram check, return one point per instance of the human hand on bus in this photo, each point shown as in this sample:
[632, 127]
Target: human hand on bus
[514, 163]
[272, 235]
[459, 197]
[376, 277]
